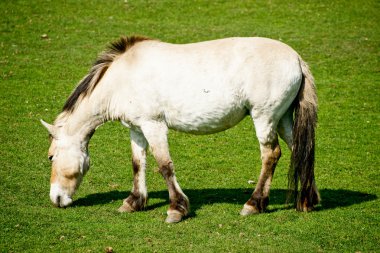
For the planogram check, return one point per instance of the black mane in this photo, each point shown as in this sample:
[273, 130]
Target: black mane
[89, 82]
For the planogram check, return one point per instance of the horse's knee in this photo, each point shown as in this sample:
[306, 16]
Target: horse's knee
[167, 169]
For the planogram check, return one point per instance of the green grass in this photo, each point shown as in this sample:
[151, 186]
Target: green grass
[339, 39]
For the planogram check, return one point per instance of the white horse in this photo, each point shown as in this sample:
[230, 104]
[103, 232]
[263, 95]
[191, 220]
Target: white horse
[200, 88]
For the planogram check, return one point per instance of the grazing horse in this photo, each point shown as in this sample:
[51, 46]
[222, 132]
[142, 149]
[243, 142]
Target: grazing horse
[199, 88]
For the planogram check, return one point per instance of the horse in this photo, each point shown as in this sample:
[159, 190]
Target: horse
[206, 87]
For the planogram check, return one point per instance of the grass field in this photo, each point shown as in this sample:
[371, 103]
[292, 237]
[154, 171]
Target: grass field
[46, 47]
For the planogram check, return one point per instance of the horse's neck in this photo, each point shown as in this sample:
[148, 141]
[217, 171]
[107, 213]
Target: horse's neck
[82, 121]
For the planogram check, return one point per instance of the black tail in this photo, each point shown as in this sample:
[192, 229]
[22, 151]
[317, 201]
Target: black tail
[303, 149]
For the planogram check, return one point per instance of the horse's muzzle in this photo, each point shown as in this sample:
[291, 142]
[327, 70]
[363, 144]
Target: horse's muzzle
[58, 196]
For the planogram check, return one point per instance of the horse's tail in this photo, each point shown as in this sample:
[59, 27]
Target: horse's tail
[303, 147]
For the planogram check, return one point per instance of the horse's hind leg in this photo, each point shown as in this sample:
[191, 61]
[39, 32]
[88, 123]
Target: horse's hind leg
[137, 199]
[270, 154]
[156, 134]
[285, 128]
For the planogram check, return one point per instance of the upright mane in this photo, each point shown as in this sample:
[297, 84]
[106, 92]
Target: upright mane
[89, 82]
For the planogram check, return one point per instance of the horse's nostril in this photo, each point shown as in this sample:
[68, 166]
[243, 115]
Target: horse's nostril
[58, 201]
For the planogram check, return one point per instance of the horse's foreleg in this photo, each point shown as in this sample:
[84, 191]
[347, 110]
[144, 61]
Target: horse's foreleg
[137, 199]
[179, 203]
[156, 135]
[270, 154]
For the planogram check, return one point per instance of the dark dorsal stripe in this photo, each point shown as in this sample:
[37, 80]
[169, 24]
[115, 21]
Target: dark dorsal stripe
[89, 82]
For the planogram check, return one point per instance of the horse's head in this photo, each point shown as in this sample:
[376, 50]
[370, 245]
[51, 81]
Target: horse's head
[70, 162]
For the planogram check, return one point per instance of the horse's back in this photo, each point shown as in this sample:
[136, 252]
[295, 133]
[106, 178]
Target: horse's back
[210, 86]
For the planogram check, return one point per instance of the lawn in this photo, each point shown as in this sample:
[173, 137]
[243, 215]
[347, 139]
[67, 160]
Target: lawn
[48, 46]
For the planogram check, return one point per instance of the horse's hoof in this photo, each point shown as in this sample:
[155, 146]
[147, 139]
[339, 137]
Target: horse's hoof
[248, 210]
[173, 216]
[126, 208]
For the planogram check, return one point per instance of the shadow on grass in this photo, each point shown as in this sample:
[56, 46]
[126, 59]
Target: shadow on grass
[198, 197]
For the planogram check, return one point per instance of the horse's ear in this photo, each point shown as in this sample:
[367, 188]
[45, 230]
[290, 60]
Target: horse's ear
[49, 127]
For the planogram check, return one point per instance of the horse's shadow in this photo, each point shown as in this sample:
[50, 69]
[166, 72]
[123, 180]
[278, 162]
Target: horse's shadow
[331, 198]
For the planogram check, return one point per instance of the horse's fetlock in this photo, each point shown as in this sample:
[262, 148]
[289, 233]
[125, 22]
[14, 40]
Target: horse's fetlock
[137, 202]
[259, 202]
[181, 204]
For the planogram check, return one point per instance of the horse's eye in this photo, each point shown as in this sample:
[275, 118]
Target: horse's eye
[50, 157]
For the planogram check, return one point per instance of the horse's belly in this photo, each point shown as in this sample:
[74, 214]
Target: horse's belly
[206, 122]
